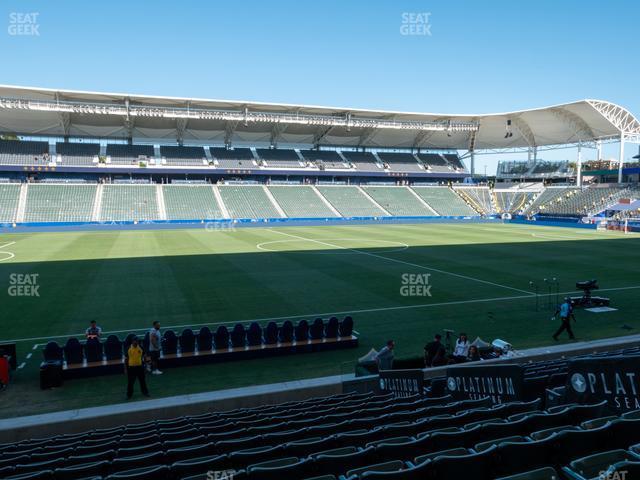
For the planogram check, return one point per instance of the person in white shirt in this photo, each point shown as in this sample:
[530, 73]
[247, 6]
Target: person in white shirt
[461, 351]
[155, 344]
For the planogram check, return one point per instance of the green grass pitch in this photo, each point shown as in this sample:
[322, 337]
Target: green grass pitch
[479, 277]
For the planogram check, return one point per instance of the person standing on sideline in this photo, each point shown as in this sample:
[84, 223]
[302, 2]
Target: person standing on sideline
[566, 313]
[434, 352]
[155, 344]
[134, 369]
[384, 358]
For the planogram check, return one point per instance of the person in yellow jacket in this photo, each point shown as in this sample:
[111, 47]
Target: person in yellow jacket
[134, 368]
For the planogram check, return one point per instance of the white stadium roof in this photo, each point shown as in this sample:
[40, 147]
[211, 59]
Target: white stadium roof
[48, 112]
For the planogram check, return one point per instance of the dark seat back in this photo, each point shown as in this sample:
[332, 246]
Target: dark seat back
[346, 327]
[187, 341]
[52, 351]
[93, 350]
[316, 332]
[73, 351]
[128, 339]
[271, 333]
[254, 335]
[286, 332]
[238, 336]
[221, 338]
[113, 348]
[302, 331]
[205, 339]
[333, 327]
[169, 343]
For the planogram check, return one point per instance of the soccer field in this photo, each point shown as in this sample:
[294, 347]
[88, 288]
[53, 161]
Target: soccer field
[479, 278]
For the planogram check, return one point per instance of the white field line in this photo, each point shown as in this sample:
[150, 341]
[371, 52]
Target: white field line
[323, 314]
[405, 263]
[29, 355]
[21, 366]
[11, 255]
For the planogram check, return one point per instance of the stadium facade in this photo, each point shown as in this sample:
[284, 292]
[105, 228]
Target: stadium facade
[275, 161]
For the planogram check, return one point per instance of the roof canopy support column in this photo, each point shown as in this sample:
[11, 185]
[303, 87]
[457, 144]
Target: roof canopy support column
[579, 179]
[621, 158]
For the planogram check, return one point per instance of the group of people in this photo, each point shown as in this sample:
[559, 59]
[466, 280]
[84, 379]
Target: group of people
[136, 360]
[435, 353]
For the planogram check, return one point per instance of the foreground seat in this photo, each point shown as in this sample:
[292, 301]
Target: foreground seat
[205, 340]
[187, 341]
[593, 465]
[546, 473]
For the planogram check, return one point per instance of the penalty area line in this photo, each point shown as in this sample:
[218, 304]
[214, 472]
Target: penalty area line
[415, 265]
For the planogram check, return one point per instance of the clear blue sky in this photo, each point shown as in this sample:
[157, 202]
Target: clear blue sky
[481, 57]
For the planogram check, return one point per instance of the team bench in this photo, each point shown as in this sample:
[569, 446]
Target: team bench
[94, 357]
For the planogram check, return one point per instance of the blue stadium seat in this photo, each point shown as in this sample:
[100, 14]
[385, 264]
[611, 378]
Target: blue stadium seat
[221, 338]
[238, 336]
[53, 351]
[332, 328]
[146, 341]
[39, 475]
[346, 327]
[302, 331]
[271, 333]
[200, 465]
[129, 338]
[169, 343]
[287, 468]
[73, 351]
[545, 473]
[286, 332]
[481, 464]
[254, 334]
[93, 350]
[159, 472]
[187, 341]
[205, 340]
[316, 331]
[514, 457]
[241, 458]
[187, 453]
[573, 444]
[140, 461]
[74, 472]
[419, 472]
[113, 348]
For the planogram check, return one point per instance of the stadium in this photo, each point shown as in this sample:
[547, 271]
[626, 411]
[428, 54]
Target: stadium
[198, 288]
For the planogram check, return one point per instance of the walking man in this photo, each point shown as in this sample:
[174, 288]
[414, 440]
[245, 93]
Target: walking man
[134, 369]
[566, 313]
